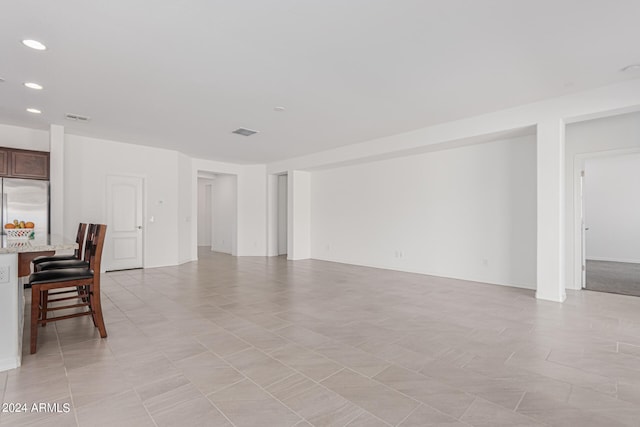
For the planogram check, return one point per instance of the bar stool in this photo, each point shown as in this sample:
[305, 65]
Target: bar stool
[84, 281]
[77, 254]
[80, 259]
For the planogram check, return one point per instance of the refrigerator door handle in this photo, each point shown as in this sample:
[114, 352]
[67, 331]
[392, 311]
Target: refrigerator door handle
[5, 216]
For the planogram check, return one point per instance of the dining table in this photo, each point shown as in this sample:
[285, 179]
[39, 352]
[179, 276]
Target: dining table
[15, 266]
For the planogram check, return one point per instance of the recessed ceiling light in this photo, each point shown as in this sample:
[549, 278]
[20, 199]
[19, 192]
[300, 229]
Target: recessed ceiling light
[632, 67]
[34, 110]
[34, 44]
[32, 85]
[279, 109]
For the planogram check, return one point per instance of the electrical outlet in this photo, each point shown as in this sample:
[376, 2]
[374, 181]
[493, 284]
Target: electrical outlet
[4, 274]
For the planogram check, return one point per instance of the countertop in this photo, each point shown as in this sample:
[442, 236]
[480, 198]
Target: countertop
[41, 243]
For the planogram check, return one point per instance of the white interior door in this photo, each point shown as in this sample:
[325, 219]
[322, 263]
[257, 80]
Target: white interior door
[124, 220]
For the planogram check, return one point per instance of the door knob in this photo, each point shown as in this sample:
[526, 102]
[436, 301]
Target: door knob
[139, 227]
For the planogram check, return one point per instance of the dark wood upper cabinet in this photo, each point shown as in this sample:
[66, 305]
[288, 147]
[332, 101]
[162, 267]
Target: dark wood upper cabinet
[4, 162]
[24, 164]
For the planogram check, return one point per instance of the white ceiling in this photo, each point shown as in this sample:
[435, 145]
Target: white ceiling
[184, 74]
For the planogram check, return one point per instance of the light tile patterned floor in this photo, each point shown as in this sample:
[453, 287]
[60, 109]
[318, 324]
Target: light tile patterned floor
[265, 342]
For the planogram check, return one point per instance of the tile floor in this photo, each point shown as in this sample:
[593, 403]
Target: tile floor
[616, 277]
[265, 342]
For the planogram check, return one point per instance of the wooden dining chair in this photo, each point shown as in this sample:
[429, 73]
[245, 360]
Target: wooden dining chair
[79, 259]
[77, 254]
[83, 282]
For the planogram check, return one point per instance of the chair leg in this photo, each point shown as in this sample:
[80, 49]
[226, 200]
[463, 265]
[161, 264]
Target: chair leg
[45, 304]
[35, 314]
[89, 300]
[96, 307]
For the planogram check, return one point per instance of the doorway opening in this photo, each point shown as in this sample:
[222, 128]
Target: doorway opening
[282, 214]
[611, 224]
[217, 212]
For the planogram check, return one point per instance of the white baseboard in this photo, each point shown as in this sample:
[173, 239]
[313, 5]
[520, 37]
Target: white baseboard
[551, 297]
[424, 272]
[9, 363]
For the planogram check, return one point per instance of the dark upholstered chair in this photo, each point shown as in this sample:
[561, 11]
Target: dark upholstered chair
[83, 282]
[80, 259]
[44, 262]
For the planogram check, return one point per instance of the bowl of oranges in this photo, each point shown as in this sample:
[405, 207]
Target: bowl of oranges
[20, 229]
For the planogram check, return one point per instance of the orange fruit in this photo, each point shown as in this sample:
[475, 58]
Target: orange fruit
[9, 226]
[29, 225]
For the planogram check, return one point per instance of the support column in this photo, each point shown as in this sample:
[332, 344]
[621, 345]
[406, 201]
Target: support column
[551, 212]
[299, 215]
[56, 178]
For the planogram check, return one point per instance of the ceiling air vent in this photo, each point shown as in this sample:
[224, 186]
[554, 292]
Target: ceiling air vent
[244, 132]
[76, 117]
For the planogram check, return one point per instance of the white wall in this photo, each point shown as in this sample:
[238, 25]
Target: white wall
[185, 215]
[170, 193]
[252, 210]
[467, 213]
[282, 214]
[547, 116]
[224, 196]
[87, 163]
[24, 138]
[612, 208]
[590, 139]
[205, 216]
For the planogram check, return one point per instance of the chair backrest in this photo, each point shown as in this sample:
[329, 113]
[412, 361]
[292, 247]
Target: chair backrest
[88, 243]
[97, 243]
[80, 239]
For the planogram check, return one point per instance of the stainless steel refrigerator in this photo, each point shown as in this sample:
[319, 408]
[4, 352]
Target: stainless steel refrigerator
[26, 200]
